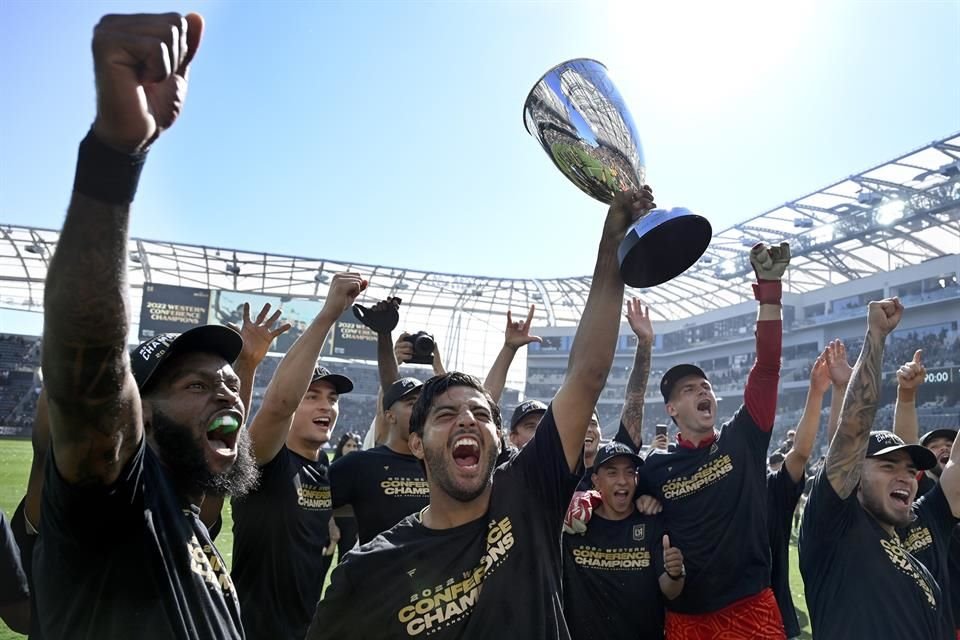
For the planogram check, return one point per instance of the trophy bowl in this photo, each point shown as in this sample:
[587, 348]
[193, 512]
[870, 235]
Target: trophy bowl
[577, 115]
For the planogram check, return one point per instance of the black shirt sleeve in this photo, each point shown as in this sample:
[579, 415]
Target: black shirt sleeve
[623, 437]
[342, 481]
[543, 465]
[13, 581]
[826, 515]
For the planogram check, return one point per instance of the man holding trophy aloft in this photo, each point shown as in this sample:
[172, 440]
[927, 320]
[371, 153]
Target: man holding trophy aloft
[712, 486]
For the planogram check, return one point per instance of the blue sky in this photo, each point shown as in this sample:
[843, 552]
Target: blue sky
[391, 132]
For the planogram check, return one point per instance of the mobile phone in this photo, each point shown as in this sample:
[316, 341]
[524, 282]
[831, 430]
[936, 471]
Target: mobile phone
[661, 430]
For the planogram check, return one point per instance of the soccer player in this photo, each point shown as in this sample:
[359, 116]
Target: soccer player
[138, 439]
[282, 530]
[713, 485]
[618, 572]
[937, 548]
[453, 569]
[849, 546]
[786, 479]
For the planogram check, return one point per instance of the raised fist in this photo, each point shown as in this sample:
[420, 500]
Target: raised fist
[344, 289]
[141, 62]
[769, 263]
[884, 316]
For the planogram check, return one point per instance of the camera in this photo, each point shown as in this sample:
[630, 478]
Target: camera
[423, 345]
[661, 430]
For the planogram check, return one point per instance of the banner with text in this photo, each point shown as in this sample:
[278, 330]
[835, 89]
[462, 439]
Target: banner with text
[170, 309]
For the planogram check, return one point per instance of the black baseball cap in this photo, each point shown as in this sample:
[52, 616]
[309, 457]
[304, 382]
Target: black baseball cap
[949, 434]
[341, 384]
[610, 450]
[400, 389]
[524, 409]
[886, 442]
[147, 357]
[675, 374]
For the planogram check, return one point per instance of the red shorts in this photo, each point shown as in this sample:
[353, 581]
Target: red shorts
[751, 618]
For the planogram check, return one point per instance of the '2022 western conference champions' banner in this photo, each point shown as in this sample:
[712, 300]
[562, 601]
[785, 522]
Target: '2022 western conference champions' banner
[169, 309]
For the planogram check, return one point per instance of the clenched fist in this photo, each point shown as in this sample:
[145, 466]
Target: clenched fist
[141, 63]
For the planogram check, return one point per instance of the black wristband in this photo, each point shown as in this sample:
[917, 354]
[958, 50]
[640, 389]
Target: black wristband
[106, 174]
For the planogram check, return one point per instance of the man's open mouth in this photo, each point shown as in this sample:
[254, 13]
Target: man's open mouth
[466, 452]
[322, 421]
[902, 496]
[222, 433]
[703, 407]
[944, 458]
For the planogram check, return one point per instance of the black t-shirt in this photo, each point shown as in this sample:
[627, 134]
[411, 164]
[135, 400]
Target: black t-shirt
[131, 560]
[859, 580]
[782, 497]
[280, 531]
[929, 538]
[611, 585]
[383, 487]
[13, 580]
[715, 509]
[414, 581]
[924, 484]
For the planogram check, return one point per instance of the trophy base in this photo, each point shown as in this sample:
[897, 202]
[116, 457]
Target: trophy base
[662, 245]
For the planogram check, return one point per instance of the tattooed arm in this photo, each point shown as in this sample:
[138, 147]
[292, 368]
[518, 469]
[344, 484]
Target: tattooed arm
[95, 412]
[849, 446]
[632, 415]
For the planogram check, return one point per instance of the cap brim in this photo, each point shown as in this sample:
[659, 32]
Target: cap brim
[949, 434]
[922, 457]
[341, 384]
[637, 460]
[209, 338]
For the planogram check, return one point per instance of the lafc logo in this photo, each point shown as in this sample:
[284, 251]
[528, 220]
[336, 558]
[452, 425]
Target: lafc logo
[386, 467]
[714, 448]
[639, 532]
[411, 572]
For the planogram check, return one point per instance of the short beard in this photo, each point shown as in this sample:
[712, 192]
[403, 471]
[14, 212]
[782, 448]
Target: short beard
[440, 473]
[185, 457]
[875, 508]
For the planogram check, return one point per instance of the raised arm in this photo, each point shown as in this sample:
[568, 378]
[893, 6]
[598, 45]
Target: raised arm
[140, 64]
[910, 376]
[257, 335]
[291, 380]
[596, 339]
[760, 394]
[796, 459]
[516, 335]
[632, 415]
[840, 372]
[849, 446]
[950, 479]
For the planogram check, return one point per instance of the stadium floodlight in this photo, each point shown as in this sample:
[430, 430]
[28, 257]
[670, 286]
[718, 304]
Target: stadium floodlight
[402, 285]
[803, 223]
[33, 247]
[890, 212]
[135, 257]
[321, 277]
[869, 198]
[234, 268]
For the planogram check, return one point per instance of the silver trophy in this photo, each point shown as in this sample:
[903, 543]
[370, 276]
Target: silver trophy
[580, 120]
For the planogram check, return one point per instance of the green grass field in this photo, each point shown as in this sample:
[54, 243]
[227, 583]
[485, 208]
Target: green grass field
[15, 465]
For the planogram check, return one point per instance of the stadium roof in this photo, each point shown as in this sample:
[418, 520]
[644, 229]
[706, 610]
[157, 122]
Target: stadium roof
[899, 213]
